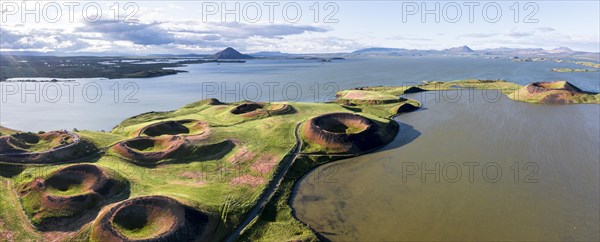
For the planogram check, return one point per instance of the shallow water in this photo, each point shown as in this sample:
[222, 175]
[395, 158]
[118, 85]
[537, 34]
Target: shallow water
[83, 107]
[399, 194]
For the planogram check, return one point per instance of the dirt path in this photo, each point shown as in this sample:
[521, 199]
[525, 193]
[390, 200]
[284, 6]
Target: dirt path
[270, 190]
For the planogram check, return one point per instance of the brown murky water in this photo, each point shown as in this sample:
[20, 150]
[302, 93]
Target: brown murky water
[474, 168]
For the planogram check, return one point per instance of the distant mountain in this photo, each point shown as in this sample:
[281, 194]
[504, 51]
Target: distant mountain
[230, 53]
[377, 50]
[562, 50]
[459, 50]
[508, 50]
[270, 54]
[391, 52]
[406, 52]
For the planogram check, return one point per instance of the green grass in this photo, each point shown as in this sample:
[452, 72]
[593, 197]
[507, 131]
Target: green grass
[572, 70]
[6, 131]
[588, 63]
[31, 202]
[101, 139]
[13, 222]
[366, 96]
[145, 232]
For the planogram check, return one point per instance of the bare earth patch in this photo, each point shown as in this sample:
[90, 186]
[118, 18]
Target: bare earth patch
[247, 180]
[194, 183]
[197, 179]
[265, 164]
[57, 236]
[5, 234]
[242, 155]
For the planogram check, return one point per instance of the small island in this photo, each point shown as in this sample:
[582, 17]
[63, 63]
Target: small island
[573, 70]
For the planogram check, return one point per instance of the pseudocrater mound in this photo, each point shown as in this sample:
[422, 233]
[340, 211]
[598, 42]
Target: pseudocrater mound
[149, 150]
[45, 147]
[557, 92]
[250, 109]
[348, 133]
[406, 108]
[247, 108]
[357, 96]
[179, 127]
[69, 197]
[152, 218]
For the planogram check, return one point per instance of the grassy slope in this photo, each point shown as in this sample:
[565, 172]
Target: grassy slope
[277, 222]
[6, 131]
[31, 202]
[204, 183]
[13, 222]
[365, 95]
[268, 135]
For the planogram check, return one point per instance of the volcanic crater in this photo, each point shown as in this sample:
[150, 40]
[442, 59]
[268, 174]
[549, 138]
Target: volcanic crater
[70, 196]
[152, 218]
[45, 147]
[347, 132]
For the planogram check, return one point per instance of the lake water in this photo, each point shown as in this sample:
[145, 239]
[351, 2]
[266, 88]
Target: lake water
[476, 168]
[97, 104]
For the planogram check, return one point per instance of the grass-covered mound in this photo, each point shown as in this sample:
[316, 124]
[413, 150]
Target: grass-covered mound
[366, 97]
[406, 107]
[149, 150]
[557, 92]
[254, 109]
[279, 108]
[174, 127]
[248, 108]
[378, 101]
[348, 132]
[69, 197]
[43, 147]
[152, 218]
[6, 131]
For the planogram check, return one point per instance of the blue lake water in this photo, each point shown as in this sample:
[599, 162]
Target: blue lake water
[257, 80]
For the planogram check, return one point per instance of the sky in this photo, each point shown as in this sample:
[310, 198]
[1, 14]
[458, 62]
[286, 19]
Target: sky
[180, 27]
